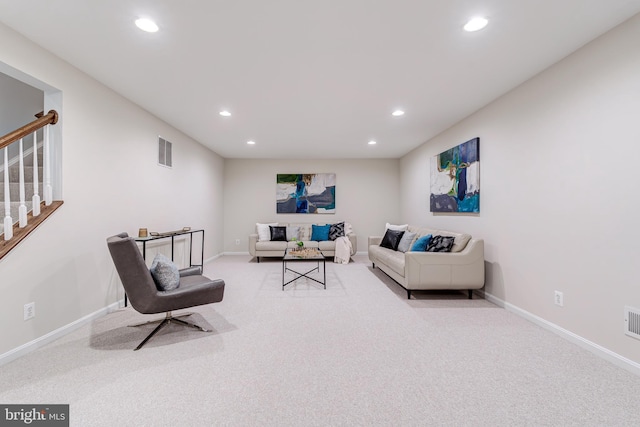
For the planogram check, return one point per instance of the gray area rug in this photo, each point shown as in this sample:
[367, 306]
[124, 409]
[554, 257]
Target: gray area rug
[356, 354]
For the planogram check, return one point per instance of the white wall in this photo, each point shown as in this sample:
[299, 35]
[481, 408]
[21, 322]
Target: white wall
[559, 190]
[366, 196]
[112, 183]
[27, 101]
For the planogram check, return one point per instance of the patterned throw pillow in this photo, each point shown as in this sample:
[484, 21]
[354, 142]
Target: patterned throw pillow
[391, 239]
[278, 234]
[165, 273]
[440, 244]
[336, 230]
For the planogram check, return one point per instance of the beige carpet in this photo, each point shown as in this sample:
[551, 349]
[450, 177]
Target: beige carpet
[356, 354]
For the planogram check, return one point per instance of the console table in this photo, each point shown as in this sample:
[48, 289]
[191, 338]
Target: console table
[172, 236]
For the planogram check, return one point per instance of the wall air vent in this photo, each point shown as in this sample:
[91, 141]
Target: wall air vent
[632, 322]
[164, 152]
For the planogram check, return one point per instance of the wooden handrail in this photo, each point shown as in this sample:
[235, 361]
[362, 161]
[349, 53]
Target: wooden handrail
[50, 118]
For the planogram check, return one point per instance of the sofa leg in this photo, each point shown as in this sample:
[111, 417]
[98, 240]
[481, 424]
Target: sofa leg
[470, 294]
[373, 265]
[408, 293]
[258, 258]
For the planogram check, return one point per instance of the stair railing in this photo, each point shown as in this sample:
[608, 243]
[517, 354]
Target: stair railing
[43, 121]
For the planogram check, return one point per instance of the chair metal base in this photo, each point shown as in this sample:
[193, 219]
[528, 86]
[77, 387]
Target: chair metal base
[164, 322]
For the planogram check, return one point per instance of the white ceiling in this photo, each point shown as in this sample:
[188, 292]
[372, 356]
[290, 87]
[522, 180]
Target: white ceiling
[313, 79]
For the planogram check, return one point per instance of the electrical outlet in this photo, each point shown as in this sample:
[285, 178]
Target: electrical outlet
[237, 241]
[558, 298]
[29, 311]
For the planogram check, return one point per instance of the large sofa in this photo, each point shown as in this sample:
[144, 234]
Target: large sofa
[462, 268]
[266, 248]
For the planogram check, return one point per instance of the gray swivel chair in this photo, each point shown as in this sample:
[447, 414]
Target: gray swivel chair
[194, 289]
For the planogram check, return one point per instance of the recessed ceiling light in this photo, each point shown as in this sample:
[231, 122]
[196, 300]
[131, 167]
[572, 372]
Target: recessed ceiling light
[146, 25]
[372, 142]
[476, 24]
[251, 143]
[225, 113]
[398, 113]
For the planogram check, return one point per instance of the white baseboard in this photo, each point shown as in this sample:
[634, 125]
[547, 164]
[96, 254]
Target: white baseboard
[213, 258]
[594, 348]
[58, 333]
[246, 253]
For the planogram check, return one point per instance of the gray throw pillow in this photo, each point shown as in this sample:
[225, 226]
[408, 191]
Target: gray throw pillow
[405, 242]
[293, 233]
[165, 273]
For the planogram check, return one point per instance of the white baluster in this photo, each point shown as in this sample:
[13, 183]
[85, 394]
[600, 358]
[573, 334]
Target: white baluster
[22, 210]
[48, 191]
[8, 222]
[35, 200]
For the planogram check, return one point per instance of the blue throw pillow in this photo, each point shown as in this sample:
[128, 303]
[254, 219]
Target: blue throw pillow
[320, 233]
[421, 244]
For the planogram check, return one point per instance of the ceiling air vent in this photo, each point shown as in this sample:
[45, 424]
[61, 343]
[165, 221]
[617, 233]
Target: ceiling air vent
[632, 322]
[164, 152]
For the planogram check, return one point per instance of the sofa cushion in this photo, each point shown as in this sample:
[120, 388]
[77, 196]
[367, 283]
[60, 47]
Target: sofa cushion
[336, 230]
[327, 245]
[460, 242]
[393, 259]
[421, 244]
[264, 234]
[271, 246]
[278, 233]
[391, 239]
[440, 244]
[405, 242]
[320, 233]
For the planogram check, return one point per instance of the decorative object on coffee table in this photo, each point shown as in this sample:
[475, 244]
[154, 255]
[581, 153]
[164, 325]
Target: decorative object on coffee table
[302, 252]
[300, 243]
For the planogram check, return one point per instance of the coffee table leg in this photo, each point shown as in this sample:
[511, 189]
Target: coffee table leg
[324, 272]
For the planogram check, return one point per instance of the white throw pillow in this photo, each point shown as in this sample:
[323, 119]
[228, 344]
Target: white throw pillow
[402, 227]
[264, 232]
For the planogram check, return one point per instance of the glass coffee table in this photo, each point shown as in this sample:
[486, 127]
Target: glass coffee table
[306, 255]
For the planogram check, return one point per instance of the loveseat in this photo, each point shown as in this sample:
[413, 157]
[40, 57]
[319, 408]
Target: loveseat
[261, 244]
[460, 268]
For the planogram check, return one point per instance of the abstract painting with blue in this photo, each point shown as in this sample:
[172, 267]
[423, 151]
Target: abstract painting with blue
[455, 179]
[309, 193]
